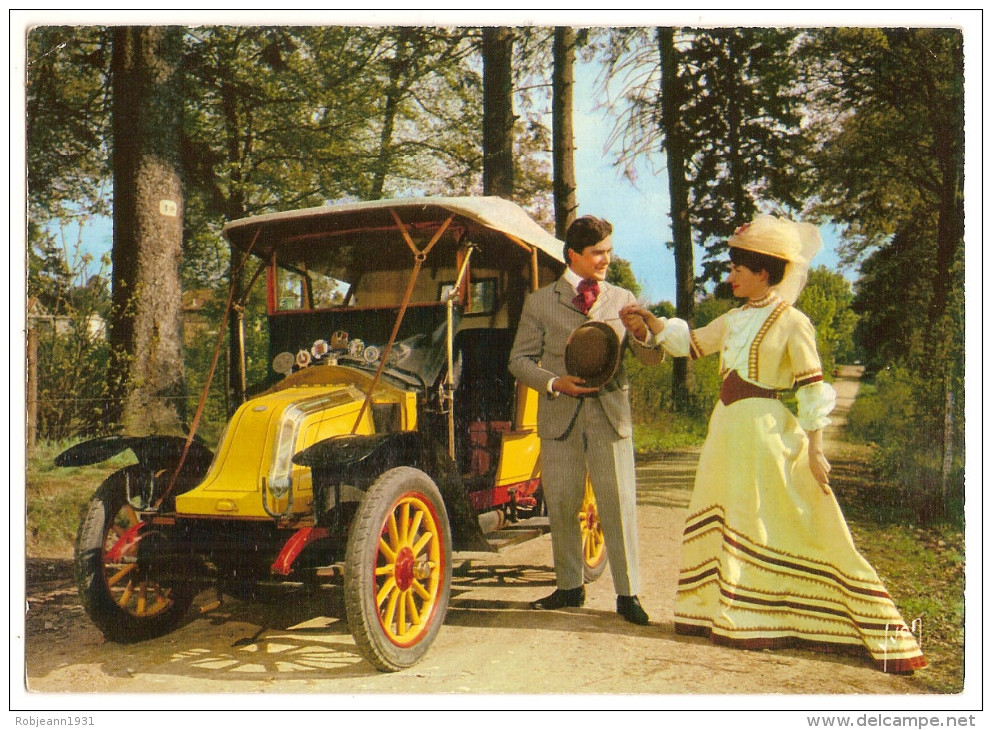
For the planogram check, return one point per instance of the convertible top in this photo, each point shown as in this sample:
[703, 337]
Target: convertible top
[486, 217]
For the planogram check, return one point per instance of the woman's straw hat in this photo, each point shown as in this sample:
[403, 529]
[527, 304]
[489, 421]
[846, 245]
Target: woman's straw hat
[782, 238]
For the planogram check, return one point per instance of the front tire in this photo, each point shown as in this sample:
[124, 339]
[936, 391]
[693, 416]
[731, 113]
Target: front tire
[120, 568]
[397, 579]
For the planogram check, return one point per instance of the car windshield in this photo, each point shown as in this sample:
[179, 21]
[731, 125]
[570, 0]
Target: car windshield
[336, 296]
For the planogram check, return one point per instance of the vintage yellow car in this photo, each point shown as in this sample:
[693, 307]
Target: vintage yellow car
[388, 434]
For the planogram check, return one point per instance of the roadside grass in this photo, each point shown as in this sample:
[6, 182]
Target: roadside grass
[674, 431]
[55, 498]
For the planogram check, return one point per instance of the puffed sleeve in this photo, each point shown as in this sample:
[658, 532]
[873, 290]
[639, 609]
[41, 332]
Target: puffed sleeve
[680, 340]
[815, 401]
[674, 338]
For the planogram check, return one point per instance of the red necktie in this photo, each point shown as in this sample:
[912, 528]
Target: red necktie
[588, 291]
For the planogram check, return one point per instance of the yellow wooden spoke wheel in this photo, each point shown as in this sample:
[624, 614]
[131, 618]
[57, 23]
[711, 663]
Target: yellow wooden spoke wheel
[129, 584]
[407, 578]
[593, 542]
[398, 569]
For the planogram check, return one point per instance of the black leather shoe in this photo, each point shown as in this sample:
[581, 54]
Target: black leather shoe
[570, 598]
[630, 608]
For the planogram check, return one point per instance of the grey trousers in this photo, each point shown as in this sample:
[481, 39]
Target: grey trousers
[592, 446]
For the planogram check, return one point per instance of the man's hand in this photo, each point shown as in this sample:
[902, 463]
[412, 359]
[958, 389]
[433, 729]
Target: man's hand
[633, 320]
[640, 321]
[571, 385]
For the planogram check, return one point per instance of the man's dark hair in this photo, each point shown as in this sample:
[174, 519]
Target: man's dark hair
[759, 262]
[586, 231]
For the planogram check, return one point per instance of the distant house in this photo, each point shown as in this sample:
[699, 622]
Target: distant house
[39, 318]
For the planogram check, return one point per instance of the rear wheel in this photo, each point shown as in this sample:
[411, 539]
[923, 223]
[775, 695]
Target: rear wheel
[131, 587]
[593, 542]
[397, 578]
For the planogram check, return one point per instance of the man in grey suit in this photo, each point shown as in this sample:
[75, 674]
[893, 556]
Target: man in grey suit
[583, 429]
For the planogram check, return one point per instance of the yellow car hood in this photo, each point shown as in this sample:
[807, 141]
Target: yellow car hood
[254, 459]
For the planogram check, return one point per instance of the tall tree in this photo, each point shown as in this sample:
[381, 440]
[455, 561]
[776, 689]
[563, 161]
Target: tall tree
[146, 327]
[672, 99]
[647, 65]
[498, 117]
[417, 63]
[888, 109]
[826, 300]
[743, 113]
[720, 104]
[563, 138]
[896, 155]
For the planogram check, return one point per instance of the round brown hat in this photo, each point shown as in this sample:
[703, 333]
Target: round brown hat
[592, 352]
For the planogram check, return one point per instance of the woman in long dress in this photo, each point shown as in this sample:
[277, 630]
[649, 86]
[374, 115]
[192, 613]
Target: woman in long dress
[767, 557]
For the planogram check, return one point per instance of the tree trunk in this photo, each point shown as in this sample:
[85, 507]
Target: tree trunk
[147, 374]
[391, 108]
[685, 281]
[563, 140]
[735, 53]
[497, 112]
[237, 144]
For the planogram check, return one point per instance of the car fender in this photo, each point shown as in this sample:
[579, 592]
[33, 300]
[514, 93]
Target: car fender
[154, 453]
[360, 459]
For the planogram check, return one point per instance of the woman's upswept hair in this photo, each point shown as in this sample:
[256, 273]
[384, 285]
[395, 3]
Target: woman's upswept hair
[759, 262]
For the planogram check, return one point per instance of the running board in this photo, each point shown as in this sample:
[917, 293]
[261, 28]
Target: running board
[518, 532]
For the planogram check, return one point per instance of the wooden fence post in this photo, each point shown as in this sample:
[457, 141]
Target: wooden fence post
[32, 385]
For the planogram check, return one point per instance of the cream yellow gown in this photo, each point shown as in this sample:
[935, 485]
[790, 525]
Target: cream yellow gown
[767, 557]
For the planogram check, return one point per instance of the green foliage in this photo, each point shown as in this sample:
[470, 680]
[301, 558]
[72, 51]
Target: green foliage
[826, 300]
[887, 105]
[883, 165]
[69, 306]
[662, 309]
[743, 115]
[72, 385]
[710, 307]
[651, 395]
[893, 413]
[739, 121]
[621, 274]
[68, 121]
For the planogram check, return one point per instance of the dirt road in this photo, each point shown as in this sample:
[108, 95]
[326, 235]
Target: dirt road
[491, 642]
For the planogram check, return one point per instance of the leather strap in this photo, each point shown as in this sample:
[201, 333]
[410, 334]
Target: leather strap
[735, 388]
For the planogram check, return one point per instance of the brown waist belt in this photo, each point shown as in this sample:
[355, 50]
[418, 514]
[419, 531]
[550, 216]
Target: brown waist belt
[735, 388]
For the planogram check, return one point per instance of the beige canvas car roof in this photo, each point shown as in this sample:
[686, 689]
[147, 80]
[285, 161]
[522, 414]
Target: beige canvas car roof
[489, 212]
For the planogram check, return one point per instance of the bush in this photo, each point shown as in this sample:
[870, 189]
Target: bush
[897, 414]
[72, 381]
[658, 425]
[884, 410]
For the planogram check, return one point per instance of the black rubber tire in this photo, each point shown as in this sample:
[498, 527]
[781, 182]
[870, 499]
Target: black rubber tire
[122, 624]
[375, 607]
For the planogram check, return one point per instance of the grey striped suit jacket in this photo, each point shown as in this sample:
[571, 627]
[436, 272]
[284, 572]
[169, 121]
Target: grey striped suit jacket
[538, 354]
